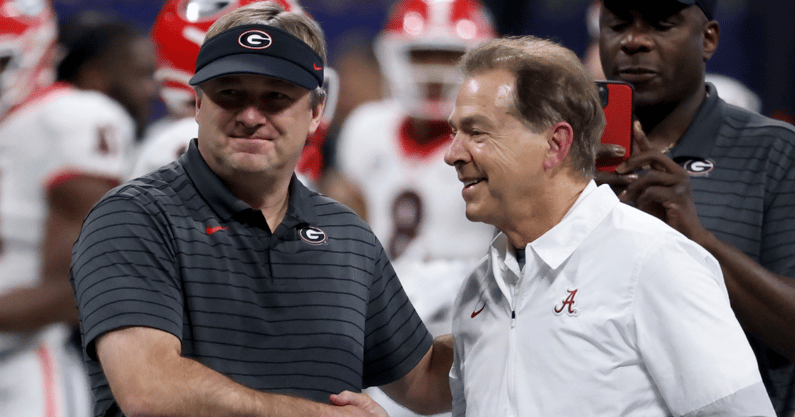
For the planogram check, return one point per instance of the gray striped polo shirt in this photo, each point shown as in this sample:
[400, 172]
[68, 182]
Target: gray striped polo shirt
[309, 310]
[743, 180]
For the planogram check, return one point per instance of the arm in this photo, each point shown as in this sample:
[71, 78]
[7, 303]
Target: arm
[149, 377]
[426, 388]
[763, 301]
[52, 300]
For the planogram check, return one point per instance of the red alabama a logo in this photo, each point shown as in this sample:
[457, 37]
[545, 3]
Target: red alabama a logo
[567, 304]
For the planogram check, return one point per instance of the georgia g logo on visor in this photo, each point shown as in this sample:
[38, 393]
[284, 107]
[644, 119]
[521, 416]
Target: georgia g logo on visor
[255, 39]
[313, 235]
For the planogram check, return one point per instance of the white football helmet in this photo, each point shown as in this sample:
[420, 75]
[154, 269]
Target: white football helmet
[28, 35]
[427, 89]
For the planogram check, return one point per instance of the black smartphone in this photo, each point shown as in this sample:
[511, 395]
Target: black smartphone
[616, 99]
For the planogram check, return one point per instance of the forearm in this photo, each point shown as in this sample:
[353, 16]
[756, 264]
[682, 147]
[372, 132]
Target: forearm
[149, 377]
[761, 300]
[199, 391]
[439, 373]
[51, 300]
[30, 308]
[426, 389]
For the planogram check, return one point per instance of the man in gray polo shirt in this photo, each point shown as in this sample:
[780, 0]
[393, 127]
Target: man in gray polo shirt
[219, 285]
[721, 175]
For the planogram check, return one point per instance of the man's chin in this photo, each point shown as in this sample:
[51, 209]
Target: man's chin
[474, 216]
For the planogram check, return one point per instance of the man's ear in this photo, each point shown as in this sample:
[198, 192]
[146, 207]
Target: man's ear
[560, 137]
[198, 102]
[711, 35]
[317, 114]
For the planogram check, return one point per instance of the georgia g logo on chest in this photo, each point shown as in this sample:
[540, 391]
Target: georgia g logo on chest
[567, 304]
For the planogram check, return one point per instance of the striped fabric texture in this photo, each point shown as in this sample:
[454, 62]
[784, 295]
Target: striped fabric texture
[309, 310]
[742, 175]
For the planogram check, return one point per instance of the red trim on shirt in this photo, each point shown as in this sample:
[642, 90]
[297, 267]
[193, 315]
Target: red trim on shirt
[48, 382]
[50, 91]
[412, 146]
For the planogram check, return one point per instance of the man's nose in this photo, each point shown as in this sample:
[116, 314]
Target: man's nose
[636, 39]
[456, 153]
[252, 115]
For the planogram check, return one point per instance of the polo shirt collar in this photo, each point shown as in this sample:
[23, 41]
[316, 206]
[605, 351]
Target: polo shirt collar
[300, 210]
[700, 136]
[560, 242]
[225, 204]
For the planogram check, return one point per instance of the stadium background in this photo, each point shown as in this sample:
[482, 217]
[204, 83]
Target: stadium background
[757, 43]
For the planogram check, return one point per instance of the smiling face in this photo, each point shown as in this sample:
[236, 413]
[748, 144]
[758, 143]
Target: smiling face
[497, 157]
[661, 52]
[254, 125]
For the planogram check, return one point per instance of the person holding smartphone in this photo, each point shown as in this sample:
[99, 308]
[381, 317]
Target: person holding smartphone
[721, 175]
[582, 305]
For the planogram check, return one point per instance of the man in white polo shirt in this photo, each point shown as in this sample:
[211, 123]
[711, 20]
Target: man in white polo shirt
[583, 305]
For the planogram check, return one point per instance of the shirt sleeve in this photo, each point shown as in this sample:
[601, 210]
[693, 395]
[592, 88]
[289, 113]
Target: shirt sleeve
[94, 136]
[395, 337]
[689, 339]
[778, 231]
[124, 271]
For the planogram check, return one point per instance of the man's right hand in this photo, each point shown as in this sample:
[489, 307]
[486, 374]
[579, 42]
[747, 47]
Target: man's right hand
[366, 406]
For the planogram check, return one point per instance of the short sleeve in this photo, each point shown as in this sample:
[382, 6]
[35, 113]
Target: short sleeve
[395, 337]
[688, 336]
[778, 231]
[94, 135]
[124, 271]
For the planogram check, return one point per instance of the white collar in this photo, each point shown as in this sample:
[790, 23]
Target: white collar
[558, 243]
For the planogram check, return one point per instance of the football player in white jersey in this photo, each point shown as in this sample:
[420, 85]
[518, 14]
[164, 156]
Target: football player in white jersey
[27, 48]
[393, 150]
[178, 32]
[61, 149]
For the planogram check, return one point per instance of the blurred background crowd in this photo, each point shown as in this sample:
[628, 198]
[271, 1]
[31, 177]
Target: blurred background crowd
[392, 154]
[757, 44]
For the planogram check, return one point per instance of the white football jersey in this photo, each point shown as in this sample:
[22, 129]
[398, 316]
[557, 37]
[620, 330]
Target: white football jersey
[60, 133]
[164, 145]
[415, 207]
[414, 202]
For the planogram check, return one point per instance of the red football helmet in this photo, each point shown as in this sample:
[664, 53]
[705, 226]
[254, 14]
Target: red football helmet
[415, 30]
[28, 35]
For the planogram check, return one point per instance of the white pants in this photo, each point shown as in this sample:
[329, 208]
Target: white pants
[46, 378]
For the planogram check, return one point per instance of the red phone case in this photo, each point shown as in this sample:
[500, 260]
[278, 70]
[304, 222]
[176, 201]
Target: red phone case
[617, 104]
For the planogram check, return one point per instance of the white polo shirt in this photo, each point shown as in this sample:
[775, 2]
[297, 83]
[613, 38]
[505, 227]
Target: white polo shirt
[614, 314]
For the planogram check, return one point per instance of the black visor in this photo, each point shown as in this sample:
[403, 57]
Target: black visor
[262, 50]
